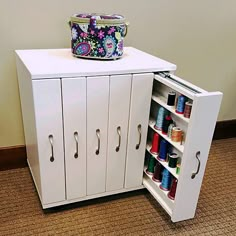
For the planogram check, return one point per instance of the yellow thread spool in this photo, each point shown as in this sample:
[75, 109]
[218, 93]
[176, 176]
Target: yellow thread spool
[176, 135]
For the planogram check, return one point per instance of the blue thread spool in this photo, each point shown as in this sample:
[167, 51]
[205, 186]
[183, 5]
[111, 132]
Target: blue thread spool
[163, 150]
[160, 118]
[180, 105]
[166, 180]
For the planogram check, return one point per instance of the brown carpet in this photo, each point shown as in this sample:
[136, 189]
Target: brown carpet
[134, 213]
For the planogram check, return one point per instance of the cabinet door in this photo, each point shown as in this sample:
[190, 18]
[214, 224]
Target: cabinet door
[74, 113]
[193, 152]
[48, 116]
[97, 120]
[196, 150]
[119, 103]
[138, 124]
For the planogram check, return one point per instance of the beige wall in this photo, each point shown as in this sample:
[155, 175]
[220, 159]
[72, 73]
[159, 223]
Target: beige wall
[198, 36]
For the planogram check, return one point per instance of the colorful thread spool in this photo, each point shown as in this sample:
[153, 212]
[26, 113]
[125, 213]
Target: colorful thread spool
[188, 109]
[155, 144]
[166, 180]
[160, 118]
[172, 192]
[166, 123]
[176, 135]
[171, 126]
[157, 176]
[172, 160]
[163, 150]
[171, 98]
[151, 165]
[180, 104]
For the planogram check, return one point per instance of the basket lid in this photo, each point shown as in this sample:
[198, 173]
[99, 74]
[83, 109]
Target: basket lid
[100, 18]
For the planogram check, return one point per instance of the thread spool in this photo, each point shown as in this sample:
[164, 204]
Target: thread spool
[172, 192]
[172, 160]
[160, 118]
[178, 169]
[166, 123]
[166, 180]
[146, 160]
[155, 144]
[188, 109]
[171, 126]
[176, 135]
[171, 98]
[163, 150]
[157, 176]
[180, 105]
[151, 165]
[182, 138]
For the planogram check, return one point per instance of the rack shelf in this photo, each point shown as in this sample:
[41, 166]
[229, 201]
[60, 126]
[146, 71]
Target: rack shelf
[163, 102]
[174, 144]
[164, 163]
[157, 193]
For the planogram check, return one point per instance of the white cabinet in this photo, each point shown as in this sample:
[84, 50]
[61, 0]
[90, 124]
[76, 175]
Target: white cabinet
[138, 124]
[74, 116]
[97, 122]
[89, 124]
[119, 105]
[48, 115]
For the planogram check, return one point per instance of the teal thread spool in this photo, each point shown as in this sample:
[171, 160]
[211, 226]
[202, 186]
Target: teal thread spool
[160, 118]
[166, 180]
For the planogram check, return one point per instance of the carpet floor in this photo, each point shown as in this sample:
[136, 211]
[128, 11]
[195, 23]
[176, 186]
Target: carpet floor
[135, 213]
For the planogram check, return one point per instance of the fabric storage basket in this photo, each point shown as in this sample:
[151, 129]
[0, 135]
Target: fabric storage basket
[99, 36]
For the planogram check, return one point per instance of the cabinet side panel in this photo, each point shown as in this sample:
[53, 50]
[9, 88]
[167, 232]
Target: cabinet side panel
[97, 120]
[200, 132]
[119, 103]
[27, 108]
[74, 113]
[48, 114]
[141, 93]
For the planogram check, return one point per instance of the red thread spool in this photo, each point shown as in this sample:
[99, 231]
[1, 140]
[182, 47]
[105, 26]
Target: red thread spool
[167, 121]
[155, 144]
[172, 191]
[187, 109]
[158, 173]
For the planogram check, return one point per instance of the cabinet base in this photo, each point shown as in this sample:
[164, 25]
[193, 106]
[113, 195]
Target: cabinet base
[54, 204]
[46, 206]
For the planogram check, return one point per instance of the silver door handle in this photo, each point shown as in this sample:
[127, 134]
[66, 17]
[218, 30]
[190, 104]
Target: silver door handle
[198, 167]
[50, 137]
[119, 134]
[140, 136]
[76, 145]
[98, 136]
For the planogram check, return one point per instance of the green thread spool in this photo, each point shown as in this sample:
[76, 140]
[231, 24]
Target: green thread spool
[172, 160]
[178, 169]
[151, 165]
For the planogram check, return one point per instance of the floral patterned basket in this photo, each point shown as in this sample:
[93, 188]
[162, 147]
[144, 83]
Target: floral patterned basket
[98, 36]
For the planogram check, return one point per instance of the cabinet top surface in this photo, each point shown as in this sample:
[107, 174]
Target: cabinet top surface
[53, 63]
